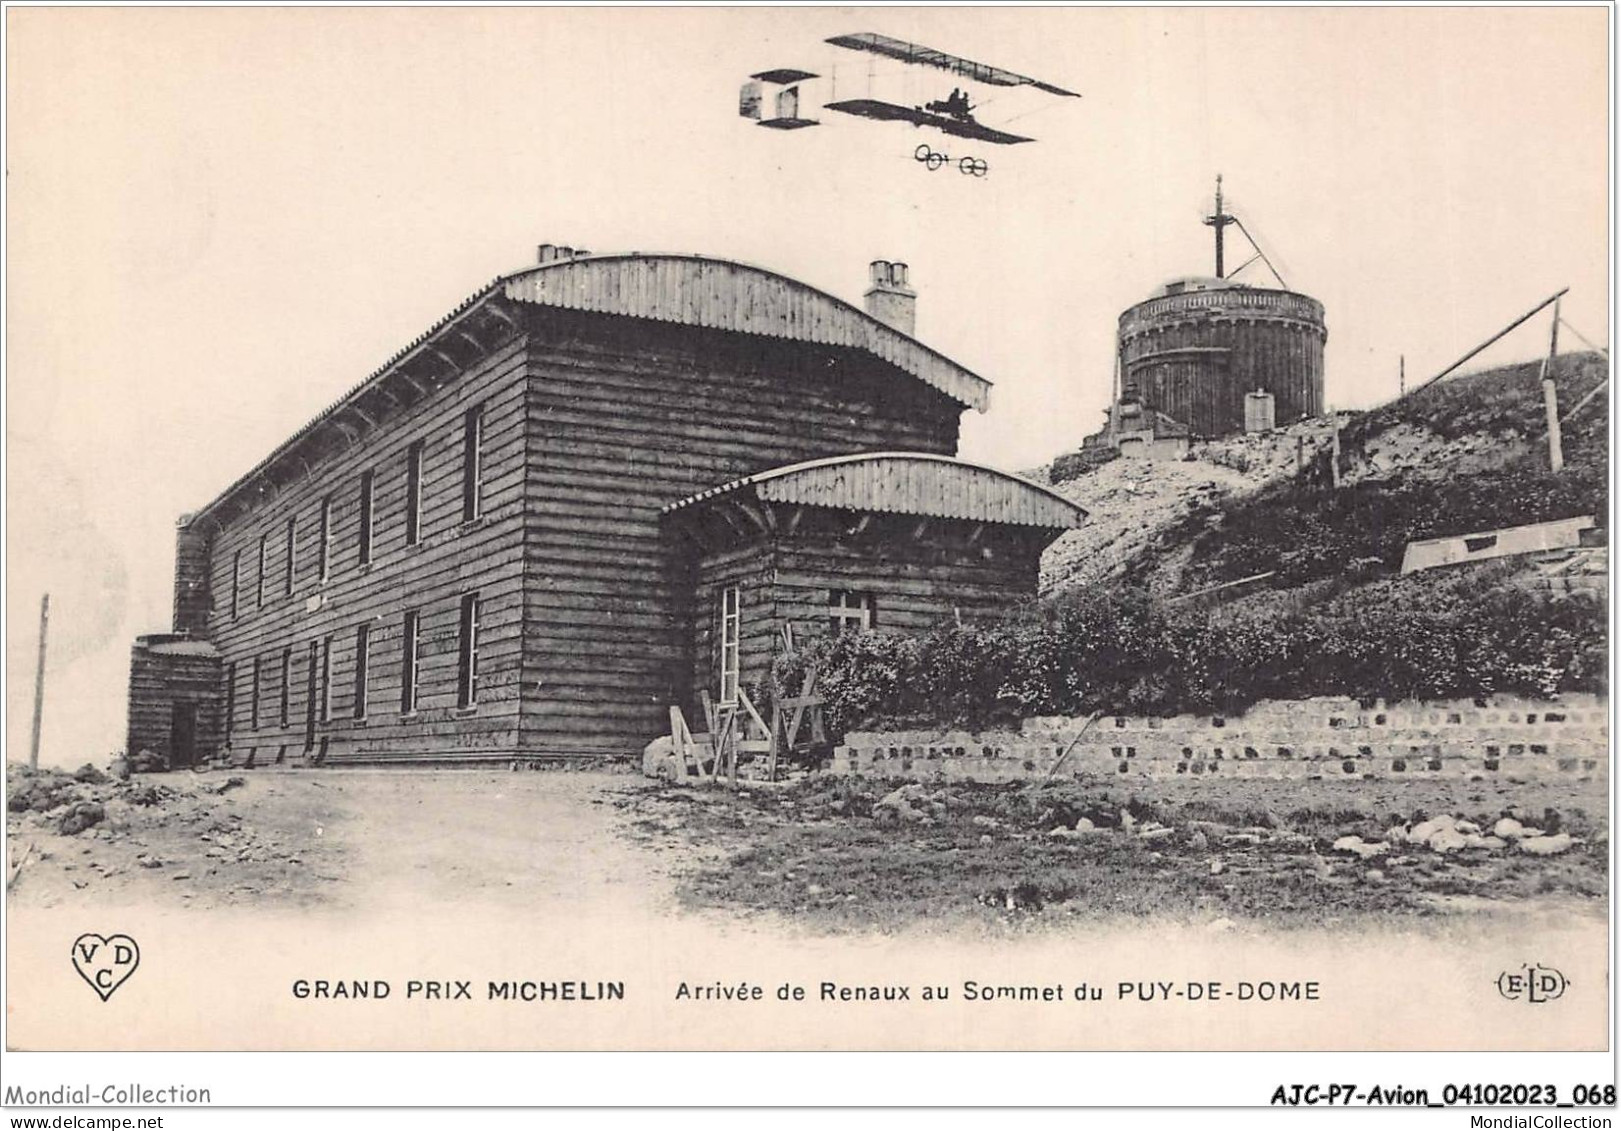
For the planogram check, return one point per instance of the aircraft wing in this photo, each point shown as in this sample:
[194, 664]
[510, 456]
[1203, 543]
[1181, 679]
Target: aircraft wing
[927, 56]
[890, 112]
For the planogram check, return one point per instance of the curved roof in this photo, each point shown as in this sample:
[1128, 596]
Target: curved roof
[689, 289]
[725, 295]
[916, 483]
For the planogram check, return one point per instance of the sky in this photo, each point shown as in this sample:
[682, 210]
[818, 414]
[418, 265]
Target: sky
[218, 221]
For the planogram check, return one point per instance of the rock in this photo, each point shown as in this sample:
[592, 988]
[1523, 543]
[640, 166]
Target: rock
[1510, 829]
[1063, 832]
[1217, 867]
[1085, 825]
[1424, 830]
[1546, 845]
[659, 760]
[1467, 828]
[148, 795]
[1221, 926]
[149, 762]
[119, 768]
[1373, 875]
[1159, 832]
[1198, 842]
[151, 862]
[985, 822]
[89, 775]
[230, 783]
[1364, 849]
[1447, 840]
[181, 876]
[82, 815]
[986, 839]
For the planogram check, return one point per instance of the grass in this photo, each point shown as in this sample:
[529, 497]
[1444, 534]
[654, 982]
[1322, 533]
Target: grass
[985, 854]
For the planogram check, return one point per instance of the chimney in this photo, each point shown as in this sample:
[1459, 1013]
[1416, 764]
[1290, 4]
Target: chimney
[889, 299]
[552, 253]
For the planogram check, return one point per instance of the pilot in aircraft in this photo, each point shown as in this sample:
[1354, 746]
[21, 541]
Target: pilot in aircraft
[956, 105]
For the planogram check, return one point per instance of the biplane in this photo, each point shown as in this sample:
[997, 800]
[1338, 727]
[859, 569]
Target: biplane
[952, 114]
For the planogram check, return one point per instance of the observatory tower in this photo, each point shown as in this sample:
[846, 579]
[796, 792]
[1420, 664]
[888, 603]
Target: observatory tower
[1219, 356]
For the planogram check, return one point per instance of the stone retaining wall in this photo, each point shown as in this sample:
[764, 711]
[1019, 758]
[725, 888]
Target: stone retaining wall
[1302, 739]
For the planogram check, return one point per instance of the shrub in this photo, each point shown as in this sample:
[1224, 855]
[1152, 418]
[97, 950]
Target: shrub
[1451, 634]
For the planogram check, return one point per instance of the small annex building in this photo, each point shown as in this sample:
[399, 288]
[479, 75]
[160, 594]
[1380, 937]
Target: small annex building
[894, 540]
[598, 487]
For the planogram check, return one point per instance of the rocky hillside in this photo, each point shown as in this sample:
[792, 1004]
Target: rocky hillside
[1462, 455]
[1132, 502]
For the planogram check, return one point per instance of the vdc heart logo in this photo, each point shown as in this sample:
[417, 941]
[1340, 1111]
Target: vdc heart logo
[106, 963]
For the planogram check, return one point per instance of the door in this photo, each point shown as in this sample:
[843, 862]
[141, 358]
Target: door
[183, 734]
[309, 699]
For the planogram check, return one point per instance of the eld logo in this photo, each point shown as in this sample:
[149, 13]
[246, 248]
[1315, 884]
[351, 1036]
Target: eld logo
[1535, 984]
[106, 963]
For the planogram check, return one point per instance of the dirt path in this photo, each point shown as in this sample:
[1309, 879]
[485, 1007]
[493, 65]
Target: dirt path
[538, 839]
[344, 840]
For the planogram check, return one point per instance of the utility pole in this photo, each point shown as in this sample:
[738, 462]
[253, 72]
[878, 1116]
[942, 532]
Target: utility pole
[1550, 398]
[1403, 375]
[39, 681]
[1219, 220]
[1551, 300]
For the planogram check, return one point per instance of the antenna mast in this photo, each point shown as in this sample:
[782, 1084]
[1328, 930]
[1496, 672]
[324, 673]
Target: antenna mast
[1219, 220]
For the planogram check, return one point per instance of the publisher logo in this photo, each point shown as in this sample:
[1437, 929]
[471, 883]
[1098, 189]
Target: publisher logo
[1534, 984]
[105, 963]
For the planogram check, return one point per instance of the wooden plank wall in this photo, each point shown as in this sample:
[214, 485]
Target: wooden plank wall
[157, 681]
[916, 585]
[1272, 350]
[624, 418]
[750, 567]
[191, 581]
[452, 558]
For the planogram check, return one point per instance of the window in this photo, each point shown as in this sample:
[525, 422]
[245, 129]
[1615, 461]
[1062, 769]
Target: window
[413, 494]
[849, 611]
[253, 698]
[292, 557]
[236, 581]
[731, 624]
[362, 658]
[259, 584]
[230, 698]
[472, 463]
[326, 679]
[365, 517]
[324, 542]
[312, 673]
[286, 684]
[408, 662]
[467, 654]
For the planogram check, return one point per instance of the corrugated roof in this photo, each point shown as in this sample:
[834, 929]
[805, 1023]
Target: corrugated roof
[726, 295]
[689, 289]
[906, 483]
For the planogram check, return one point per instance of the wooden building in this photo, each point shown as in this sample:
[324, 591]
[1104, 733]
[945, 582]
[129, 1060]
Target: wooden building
[890, 540]
[469, 555]
[1198, 348]
[175, 705]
